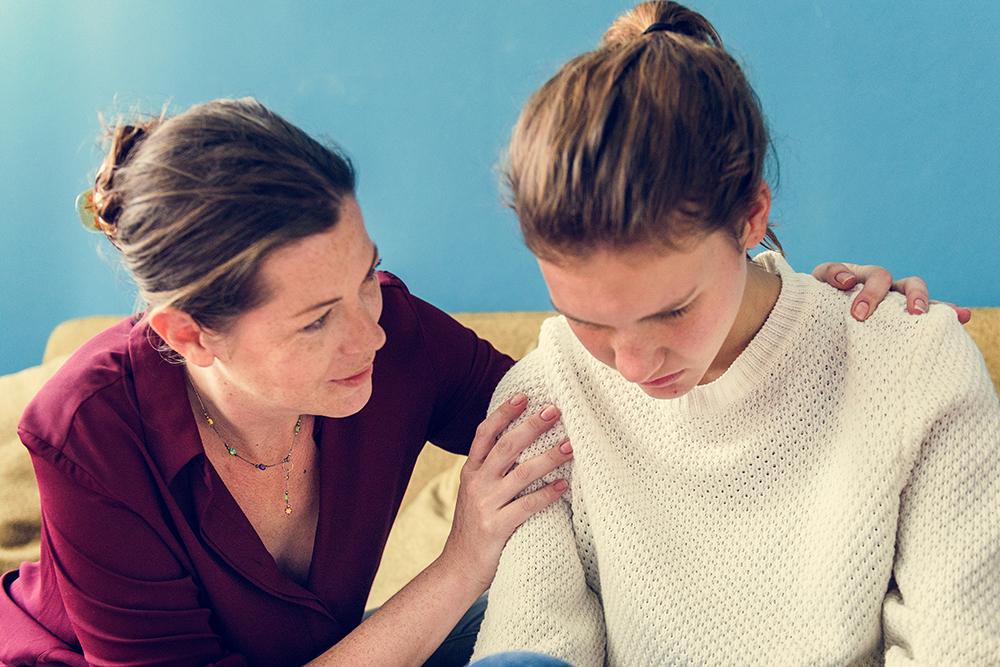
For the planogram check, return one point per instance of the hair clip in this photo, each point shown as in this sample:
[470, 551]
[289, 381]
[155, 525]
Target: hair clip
[85, 209]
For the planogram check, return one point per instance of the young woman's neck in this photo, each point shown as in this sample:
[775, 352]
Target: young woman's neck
[759, 296]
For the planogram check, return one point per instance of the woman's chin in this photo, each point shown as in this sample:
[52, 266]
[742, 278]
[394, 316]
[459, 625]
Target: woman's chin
[668, 392]
[344, 401]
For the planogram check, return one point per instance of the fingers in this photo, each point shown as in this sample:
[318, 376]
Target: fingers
[837, 274]
[964, 314]
[517, 512]
[915, 291]
[503, 455]
[877, 283]
[526, 472]
[490, 429]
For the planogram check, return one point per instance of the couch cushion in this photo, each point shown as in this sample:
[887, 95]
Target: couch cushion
[985, 330]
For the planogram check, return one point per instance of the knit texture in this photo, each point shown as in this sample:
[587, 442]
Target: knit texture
[832, 499]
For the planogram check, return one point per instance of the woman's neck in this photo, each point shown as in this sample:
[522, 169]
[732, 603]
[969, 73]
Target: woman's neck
[243, 422]
[759, 296]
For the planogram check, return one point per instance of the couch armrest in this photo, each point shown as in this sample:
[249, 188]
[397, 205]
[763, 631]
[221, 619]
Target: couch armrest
[71, 334]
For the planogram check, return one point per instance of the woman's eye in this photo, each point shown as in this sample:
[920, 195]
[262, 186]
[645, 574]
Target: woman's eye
[317, 324]
[373, 273]
[674, 314]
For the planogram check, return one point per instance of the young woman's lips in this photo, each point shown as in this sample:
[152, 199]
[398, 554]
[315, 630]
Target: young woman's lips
[664, 380]
[357, 378]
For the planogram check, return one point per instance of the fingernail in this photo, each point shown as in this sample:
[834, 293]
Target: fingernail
[844, 277]
[920, 306]
[861, 310]
[549, 413]
[560, 485]
[517, 399]
[566, 448]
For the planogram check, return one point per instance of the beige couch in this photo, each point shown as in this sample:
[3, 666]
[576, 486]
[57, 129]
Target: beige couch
[423, 521]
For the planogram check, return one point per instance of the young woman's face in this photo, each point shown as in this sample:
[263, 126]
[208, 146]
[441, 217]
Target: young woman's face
[309, 348]
[658, 317]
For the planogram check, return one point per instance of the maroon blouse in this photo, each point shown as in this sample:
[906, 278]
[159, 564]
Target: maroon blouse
[147, 559]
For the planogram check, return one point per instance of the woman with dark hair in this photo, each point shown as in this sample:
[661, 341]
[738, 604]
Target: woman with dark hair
[219, 474]
[757, 478]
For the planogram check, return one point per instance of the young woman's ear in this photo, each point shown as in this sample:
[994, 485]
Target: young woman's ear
[755, 227]
[184, 336]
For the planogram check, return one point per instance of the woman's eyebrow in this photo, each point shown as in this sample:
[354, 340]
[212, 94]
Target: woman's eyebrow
[330, 302]
[676, 305]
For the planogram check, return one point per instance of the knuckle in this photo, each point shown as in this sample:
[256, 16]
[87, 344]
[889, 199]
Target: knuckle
[530, 503]
[522, 474]
[503, 446]
[482, 431]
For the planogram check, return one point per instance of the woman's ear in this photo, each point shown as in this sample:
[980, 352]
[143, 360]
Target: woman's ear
[756, 225]
[183, 334]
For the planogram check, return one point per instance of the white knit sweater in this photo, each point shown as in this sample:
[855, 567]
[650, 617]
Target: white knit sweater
[832, 499]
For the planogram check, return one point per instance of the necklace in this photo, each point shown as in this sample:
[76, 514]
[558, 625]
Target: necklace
[285, 463]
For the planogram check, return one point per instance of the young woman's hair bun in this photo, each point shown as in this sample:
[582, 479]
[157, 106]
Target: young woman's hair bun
[124, 139]
[650, 18]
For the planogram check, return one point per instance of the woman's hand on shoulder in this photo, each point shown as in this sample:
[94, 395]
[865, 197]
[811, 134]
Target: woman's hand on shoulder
[877, 283]
[488, 509]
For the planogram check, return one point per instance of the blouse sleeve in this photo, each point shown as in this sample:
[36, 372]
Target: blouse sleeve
[466, 370]
[945, 608]
[127, 596]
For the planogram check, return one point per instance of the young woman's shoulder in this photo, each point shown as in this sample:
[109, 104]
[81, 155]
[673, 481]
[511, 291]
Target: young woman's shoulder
[932, 351]
[532, 374]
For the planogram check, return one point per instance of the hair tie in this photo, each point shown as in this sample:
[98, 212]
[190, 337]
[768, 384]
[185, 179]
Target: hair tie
[658, 27]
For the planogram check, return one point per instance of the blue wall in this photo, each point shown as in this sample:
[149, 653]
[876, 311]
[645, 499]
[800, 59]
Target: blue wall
[885, 118]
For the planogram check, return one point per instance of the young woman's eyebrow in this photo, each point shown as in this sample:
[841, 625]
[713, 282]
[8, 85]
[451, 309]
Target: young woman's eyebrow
[675, 306]
[330, 302]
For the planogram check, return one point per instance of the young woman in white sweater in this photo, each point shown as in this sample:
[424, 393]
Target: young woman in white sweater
[758, 479]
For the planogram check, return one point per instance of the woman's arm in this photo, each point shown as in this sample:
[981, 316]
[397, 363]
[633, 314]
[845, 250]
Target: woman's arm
[128, 597]
[540, 599]
[131, 597]
[945, 607]
[412, 624]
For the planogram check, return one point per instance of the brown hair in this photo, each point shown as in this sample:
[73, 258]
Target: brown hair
[196, 202]
[651, 137]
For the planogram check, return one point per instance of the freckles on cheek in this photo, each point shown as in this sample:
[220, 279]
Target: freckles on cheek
[595, 344]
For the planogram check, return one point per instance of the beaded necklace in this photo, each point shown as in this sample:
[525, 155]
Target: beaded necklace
[285, 463]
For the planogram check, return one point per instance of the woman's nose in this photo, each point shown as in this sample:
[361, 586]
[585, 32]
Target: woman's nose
[365, 335]
[635, 362]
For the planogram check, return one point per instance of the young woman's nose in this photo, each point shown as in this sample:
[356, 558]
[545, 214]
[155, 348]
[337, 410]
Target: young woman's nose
[637, 361]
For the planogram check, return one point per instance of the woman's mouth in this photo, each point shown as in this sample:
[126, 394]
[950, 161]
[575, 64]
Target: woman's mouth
[356, 379]
[664, 380]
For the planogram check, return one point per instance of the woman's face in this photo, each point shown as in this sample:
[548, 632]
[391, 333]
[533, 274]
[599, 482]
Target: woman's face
[658, 317]
[309, 348]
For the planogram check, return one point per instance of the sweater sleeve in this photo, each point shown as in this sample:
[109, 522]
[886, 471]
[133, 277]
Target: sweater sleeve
[540, 599]
[945, 609]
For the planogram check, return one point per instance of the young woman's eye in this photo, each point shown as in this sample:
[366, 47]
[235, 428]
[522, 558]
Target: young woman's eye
[586, 325]
[318, 323]
[674, 314]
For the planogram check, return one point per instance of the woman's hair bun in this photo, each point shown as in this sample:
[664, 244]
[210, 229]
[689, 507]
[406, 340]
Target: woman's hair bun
[124, 138]
[661, 16]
